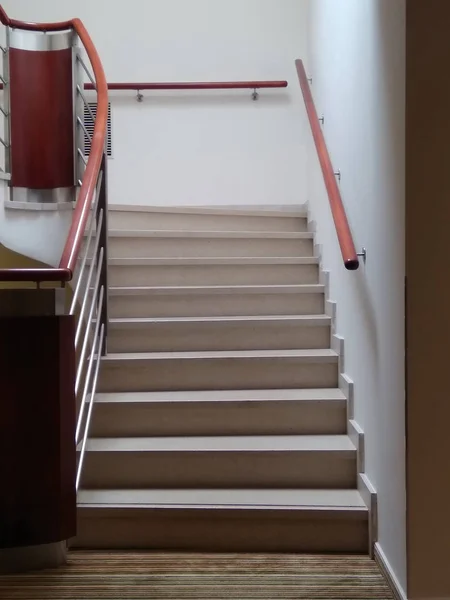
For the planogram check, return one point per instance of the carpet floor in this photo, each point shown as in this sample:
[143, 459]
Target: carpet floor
[169, 576]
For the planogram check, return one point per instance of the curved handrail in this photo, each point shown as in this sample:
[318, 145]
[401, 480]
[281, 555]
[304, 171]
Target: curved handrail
[86, 195]
[348, 250]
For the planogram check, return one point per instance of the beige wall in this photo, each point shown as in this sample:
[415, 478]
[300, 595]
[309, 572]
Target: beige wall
[357, 63]
[428, 276]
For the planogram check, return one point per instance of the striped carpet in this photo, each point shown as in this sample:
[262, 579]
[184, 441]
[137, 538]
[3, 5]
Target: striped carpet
[135, 576]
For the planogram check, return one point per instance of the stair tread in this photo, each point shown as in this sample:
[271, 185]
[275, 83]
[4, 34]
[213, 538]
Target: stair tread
[217, 289]
[256, 443]
[314, 355]
[209, 234]
[306, 395]
[307, 319]
[299, 212]
[208, 261]
[232, 498]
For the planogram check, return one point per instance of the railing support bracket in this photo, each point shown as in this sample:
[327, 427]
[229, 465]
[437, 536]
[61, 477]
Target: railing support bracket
[139, 96]
[363, 254]
[322, 120]
[255, 95]
[338, 174]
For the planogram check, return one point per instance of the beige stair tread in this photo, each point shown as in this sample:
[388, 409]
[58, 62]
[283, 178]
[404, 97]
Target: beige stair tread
[301, 211]
[323, 356]
[214, 261]
[231, 499]
[256, 443]
[216, 290]
[211, 234]
[305, 395]
[312, 320]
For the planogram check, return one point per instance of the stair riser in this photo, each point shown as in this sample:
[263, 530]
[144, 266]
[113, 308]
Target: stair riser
[186, 222]
[213, 374]
[122, 275]
[214, 305]
[211, 247]
[191, 337]
[219, 418]
[227, 469]
[220, 531]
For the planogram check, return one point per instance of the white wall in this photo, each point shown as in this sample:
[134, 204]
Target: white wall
[198, 148]
[357, 62]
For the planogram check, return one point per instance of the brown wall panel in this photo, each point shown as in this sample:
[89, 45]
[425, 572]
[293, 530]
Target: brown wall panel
[42, 155]
[37, 430]
[428, 285]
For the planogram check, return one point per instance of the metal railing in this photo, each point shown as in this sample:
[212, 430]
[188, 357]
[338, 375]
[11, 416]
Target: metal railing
[5, 111]
[84, 258]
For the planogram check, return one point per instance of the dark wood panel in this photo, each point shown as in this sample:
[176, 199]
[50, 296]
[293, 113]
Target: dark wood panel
[37, 430]
[42, 154]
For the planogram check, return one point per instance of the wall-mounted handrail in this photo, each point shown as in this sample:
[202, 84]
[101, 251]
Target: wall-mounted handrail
[71, 250]
[344, 234]
[195, 85]
[191, 85]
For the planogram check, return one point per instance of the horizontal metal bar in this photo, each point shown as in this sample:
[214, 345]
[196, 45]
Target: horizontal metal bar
[88, 326]
[91, 406]
[196, 85]
[89, 371]
[73, 306]
[86, 103]
[82, 157]
[88, 73]
[88, 286]
[83, 126]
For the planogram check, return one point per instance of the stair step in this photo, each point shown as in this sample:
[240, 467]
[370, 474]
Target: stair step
[209, 235]
[235, 412]
[223, 520]
[234, 499]
[218, 333]
[178, 243]
[221, 462]
[204, 218]
[232, 300]
[244, 369]
[137, 271]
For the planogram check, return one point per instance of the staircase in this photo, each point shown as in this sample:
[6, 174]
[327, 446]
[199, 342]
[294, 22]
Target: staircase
[219, 425]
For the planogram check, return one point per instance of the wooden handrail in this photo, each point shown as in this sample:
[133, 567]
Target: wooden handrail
[86, 195]
[344, 234]
[195, 85]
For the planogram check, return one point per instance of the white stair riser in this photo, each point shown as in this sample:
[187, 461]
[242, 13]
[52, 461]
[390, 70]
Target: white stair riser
[186, 337]
[213, 374]
[333, 469]
[186, 222]
[123, 275]
[160, 247]
[205, 305]
[213, 530]
[277, 417]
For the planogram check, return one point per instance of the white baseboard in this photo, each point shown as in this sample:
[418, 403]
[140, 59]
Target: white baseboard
[383, 563]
